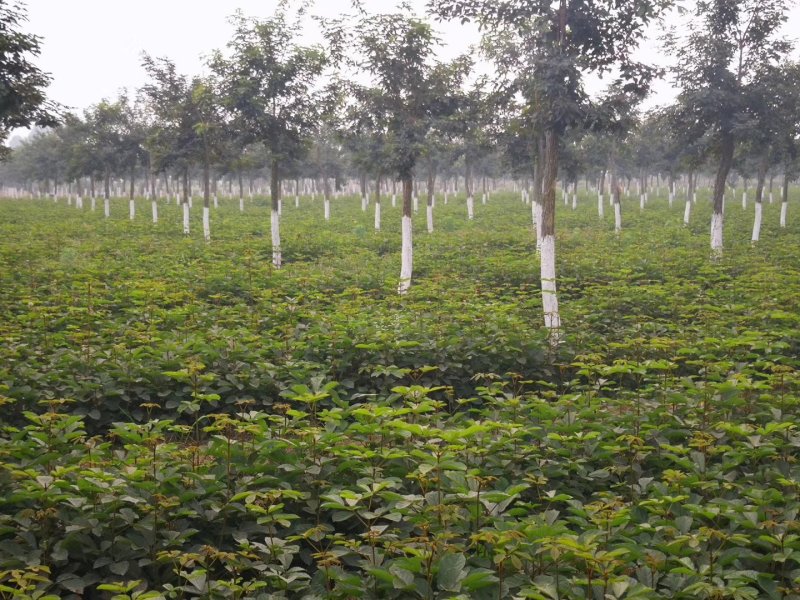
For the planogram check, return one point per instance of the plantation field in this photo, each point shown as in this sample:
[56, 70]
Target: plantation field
[181, 420]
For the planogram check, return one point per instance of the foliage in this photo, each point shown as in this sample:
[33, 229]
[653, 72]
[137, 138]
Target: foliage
[181, 420]
[22, 98]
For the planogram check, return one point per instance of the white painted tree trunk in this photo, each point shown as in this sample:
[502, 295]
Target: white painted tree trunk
[241, 204]
[206, 224]
[771, 199]
[445, 198]
[483, 199]
[377, 216]
[327, 209]
[687, 211]
[394, 200]
[186, 210]
[407, 256]
[716, 233]
[744, 200]
[363, 203]
[132, 209]
[617, 217]
[470, 208]
[552, 318]
[574, 201]
[106, 207]
[93, 203]
[671, 199]
[600, 206]
[275, 223]
[154, 204]
[297, 201]
[641, 201]
[416, 204]
[190, 202]
[216, 202]
[784, 209]
[429, 211]
[757, 224]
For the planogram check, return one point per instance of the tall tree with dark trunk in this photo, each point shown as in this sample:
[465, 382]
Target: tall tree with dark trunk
[547, 47]
[728, 44]
[267, 86]
[398, 51]
[772, 122]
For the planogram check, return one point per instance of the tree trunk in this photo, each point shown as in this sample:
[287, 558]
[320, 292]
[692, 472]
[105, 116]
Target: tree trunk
[275, 217]
[107, 195]
[153, 200]
[241, 191]
[687, 211]
[552, 318]
[326, 192]
[762, 176]
[771, 181]
[725, 163]
[206, 200]
[407, 252]
[785, 198]
[364, 199]
[744, 195]
[600, 194]
[429, 207]
[131, 201]
[616, 191]
[378, 202]
[185, 201]
[468, 186]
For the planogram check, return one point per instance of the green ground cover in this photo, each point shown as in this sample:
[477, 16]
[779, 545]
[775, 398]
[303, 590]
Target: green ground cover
[179, 420]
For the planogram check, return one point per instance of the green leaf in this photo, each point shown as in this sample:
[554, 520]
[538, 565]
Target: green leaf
[451, 572]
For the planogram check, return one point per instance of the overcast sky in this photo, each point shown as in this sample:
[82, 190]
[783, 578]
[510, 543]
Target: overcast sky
[93, 48]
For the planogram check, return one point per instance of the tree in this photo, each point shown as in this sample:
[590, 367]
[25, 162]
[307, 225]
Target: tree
[729, 43]
[546, 48]
[114, 142]
[452, 125]
[473, 127]
[266, 86]
[771, 127]
[38, 159]
[364, 137]
[22, 84]
[397, 49]
[187, 128]
[787, 141]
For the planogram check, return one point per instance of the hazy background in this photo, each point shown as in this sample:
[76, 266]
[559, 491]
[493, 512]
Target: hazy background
[93, 48]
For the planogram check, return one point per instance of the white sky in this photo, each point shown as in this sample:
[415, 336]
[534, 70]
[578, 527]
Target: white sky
[92, 48]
